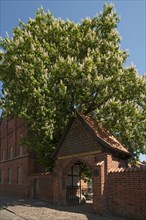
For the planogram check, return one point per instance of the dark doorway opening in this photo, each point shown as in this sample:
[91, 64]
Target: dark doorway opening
[36, 189]
[79, 184]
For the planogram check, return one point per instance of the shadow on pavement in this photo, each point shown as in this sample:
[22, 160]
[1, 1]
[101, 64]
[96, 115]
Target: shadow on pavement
[85, 209]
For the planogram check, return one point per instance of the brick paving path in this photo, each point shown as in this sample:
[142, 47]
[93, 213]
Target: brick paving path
[14, 209]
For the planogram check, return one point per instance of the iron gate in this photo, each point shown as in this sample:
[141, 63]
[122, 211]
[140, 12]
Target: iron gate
[73, 195]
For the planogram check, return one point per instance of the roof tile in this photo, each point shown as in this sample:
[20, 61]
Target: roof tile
[104, 134]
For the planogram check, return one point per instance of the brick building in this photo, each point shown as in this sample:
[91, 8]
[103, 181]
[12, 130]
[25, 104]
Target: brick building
[83, 143]
[16, 164]
[114, 184]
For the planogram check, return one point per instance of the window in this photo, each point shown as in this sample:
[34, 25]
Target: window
[19, 175]
[3, 154]
[20, 150]
[9, 175]
[11, 152]
[1, 176]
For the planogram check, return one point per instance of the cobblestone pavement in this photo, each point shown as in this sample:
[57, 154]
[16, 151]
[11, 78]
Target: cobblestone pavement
[14, 209]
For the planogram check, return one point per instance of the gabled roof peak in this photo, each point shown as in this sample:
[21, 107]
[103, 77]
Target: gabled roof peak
[103, 133]
[83, 136]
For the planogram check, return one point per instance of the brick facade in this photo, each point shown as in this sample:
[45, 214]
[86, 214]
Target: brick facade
[13, 188]
[127, 192]
[15, 162]
[99, 163]
[42, 186]
[115, 192]
[116, 188]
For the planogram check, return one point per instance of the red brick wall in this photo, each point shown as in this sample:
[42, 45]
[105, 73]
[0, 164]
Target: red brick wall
[11, 132]
[13, 188]
[121, 191]
[45, 186]
[115, 162]
[127, 193]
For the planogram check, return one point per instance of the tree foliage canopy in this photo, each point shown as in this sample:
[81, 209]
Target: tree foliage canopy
[51, 67]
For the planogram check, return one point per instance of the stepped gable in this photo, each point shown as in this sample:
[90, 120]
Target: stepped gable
[104, 134]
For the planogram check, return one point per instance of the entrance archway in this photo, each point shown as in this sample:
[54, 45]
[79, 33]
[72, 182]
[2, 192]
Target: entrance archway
[79, 184]
[68, 175]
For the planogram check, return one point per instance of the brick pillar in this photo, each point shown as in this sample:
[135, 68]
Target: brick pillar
[55, 173]
[98, 188]
[109, 162]
[59, 184]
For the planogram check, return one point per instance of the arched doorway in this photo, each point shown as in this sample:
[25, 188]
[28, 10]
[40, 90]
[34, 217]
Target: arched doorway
[72, 183]
[79, 184]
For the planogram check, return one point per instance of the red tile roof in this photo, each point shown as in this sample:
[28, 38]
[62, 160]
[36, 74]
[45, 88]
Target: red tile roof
[104, 134]
[129, 169]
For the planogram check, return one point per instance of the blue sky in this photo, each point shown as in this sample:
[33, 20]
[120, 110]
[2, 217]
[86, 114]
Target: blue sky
[132, 27]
